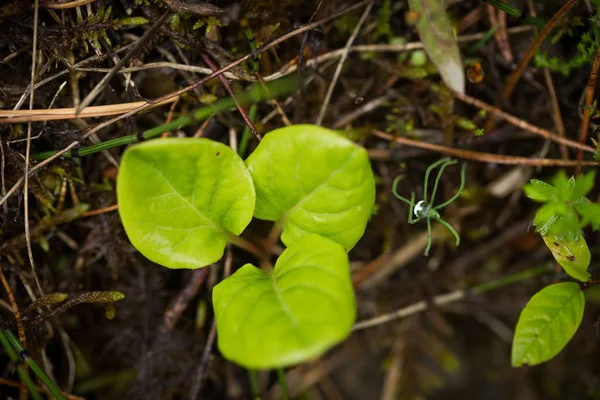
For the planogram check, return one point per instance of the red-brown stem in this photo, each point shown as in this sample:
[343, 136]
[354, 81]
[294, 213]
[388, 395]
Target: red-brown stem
[587, 108]
[101, 211]
[15, 307]
[182, 300]
[225, 83]
[484, 157]
[513, 78]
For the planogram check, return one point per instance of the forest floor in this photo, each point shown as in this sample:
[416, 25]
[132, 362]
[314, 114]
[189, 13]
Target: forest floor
[64, 235]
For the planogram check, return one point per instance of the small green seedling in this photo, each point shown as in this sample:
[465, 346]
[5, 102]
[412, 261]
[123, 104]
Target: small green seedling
[182, 200]
[566, 210]
[425, 209]
[553, 315]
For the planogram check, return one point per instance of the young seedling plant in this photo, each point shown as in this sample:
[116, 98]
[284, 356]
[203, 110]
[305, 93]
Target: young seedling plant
[182, 200]
[426, 209]
[553, 315]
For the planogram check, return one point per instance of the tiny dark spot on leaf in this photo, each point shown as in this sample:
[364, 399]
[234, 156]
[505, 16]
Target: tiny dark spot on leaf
[556, 244]
[218, 153]
[571, 258]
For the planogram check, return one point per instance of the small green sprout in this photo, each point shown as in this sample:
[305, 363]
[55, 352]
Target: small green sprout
[425, 209]
[566, 210]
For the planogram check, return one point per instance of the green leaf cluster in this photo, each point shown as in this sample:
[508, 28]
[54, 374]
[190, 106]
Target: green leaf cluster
[90, 30]
[565, 210]
[586, 50]
[552, 316]
[383, 28]
[210, 22]
[182, 200]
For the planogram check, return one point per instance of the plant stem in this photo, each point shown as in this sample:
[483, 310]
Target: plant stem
[282, 383]
[450, 297]
[253, 376]
[14, 357]
[255, 94]
[51, 386]
[246, 134]
[514, 77]
[508, 280]
[246, 245]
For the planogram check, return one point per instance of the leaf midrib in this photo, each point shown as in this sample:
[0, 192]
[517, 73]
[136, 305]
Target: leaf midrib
[299, 204]
[548, 323]
[190, 205]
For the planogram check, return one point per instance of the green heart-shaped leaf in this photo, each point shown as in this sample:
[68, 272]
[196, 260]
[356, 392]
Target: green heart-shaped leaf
[181, 199]
[273, 320]
[573, 255]
[313, 180]
[547, 323]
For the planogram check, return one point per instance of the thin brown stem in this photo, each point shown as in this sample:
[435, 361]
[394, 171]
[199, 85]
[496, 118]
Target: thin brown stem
[227, 87]
[410, 310]
[15, 308]
[182, 300]
[513, 78]
[104, 210]
[587, 110]
[483, 157]
[338, 69]
[28, 150]
[62, 6]
[511, 119]
[247, 245]
[274, 102]
[265, 46]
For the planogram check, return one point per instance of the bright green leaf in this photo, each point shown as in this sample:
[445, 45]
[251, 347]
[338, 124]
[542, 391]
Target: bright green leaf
[567, 226]
[181, 199]
[289, 316]
[313, 180]
[539, 191]
[545, 217]
[590, 213]
[573, 255]
[563, 186]
[547, 323]
[583, 184]
[439, 41]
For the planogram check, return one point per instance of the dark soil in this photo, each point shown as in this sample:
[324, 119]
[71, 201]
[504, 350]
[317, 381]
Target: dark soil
[459, 351]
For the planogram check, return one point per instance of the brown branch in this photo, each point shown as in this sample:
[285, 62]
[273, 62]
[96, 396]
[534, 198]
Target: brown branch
[63, 6]
[501, 35]
[483, 157]
[104, 210]
[513, 78]
[519, 123]
[182, 300]
[225, 83]
[587, 110]
[15, 307]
